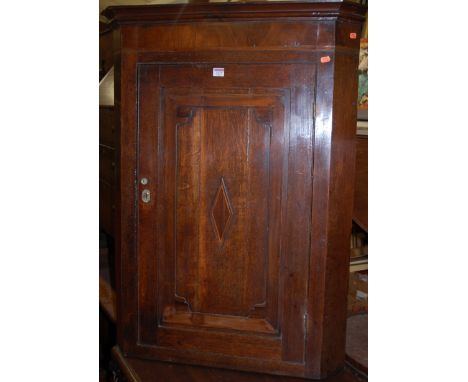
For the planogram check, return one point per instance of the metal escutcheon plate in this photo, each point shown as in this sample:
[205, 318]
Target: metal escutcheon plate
[146, 196]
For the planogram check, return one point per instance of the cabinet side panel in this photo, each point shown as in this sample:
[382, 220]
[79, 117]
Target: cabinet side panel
[334, 158]
[125, 104]
[341, 207]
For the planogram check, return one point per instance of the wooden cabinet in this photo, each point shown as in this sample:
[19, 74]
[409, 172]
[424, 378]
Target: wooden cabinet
[237, 126]
[108, 143]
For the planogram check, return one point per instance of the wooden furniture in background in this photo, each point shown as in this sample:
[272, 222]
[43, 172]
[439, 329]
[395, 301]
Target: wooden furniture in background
[360, 192]
[237, 126]
[356, 343]
[108, 143]
[359, 252]
[108, 134]
[106, 59]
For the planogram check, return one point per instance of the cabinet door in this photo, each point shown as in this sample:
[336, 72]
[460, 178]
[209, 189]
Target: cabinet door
[223, 241]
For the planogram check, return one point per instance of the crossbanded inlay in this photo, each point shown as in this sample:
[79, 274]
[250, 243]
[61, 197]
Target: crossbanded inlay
[221, 212]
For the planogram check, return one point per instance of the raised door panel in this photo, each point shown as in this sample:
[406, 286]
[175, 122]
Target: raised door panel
[217, 262]
[225, 194]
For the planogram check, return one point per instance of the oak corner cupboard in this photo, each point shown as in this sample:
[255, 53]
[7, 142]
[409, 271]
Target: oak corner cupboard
[236, 127]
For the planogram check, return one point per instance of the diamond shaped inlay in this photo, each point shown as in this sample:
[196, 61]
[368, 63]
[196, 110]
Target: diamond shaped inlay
[221, 212]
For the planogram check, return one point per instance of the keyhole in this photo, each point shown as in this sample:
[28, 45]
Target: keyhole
[146, 196]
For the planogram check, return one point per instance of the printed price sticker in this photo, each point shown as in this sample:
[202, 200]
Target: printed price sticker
[218, 72]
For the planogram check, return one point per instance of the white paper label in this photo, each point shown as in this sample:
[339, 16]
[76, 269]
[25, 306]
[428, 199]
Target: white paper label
[218, 72]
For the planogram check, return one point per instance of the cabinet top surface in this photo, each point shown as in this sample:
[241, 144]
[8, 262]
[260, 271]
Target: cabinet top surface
[235, 11]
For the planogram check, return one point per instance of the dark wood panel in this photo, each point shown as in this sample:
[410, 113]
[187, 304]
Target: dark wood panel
[348, 33]
[237, 76]
[106, 207]
[227, 232]
[107, 131]
[210, 36]
[107, 165]
[133, 370]
[232, 12]
[229, 361]
[253, 347]
[251, 56]
[107, 169]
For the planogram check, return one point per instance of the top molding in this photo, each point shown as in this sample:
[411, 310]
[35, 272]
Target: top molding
[174, 13]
